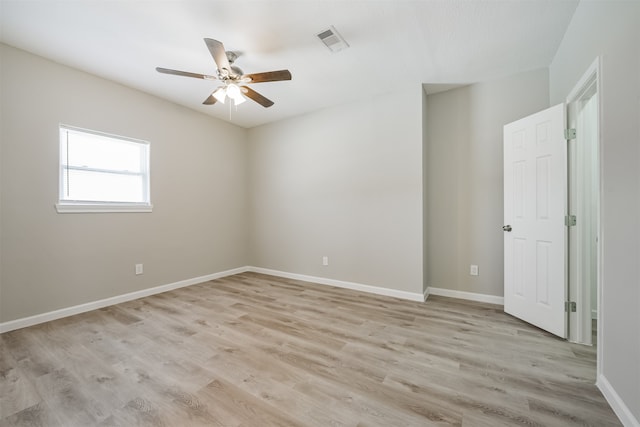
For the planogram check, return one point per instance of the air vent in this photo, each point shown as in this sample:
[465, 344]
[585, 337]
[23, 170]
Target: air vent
[333, 40]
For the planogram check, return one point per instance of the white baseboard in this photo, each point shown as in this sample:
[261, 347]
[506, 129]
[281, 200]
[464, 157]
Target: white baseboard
[82, 308]
[413, 296]
[617, 404]
[491, 299]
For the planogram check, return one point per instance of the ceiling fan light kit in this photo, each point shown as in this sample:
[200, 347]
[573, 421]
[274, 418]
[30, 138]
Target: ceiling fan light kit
[233, 79]
[219, 94]
[232, 91]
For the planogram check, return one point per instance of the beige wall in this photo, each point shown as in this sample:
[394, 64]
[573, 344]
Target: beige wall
[464, 174]
[346, 183]
[198, 187]
[611, 31]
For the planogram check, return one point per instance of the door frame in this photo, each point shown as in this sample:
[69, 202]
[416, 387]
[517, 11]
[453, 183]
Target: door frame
[590, 79]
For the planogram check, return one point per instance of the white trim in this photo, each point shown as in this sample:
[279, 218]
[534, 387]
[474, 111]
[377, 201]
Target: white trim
[102, 207]
[66, 205]
[82, 308]
[76, 129]
[594, 74]
[413, 296]
[491, 299]
[617, 404]
[94, 305]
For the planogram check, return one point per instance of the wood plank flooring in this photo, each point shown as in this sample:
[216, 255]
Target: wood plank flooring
[255, 350]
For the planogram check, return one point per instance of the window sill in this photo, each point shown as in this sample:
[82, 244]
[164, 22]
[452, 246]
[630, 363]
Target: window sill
[102, 207]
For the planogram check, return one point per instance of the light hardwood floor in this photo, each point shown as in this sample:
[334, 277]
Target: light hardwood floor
[255, 350]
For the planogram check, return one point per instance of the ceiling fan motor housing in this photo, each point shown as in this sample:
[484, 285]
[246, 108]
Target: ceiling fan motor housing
[232, 56]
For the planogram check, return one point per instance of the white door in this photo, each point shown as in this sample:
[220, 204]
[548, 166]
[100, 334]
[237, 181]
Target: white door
[535, 237]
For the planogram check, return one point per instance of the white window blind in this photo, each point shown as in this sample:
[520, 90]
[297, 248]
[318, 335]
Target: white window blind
[101, 172]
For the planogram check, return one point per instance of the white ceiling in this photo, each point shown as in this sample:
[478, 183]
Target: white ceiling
[434, 42]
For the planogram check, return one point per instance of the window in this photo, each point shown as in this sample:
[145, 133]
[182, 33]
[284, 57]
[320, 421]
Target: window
[102, 173]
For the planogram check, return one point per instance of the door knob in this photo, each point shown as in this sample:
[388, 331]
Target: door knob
[506, 228]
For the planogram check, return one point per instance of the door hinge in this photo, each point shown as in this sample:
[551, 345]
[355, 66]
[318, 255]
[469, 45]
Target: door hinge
[570, 220]
[570, 307]
[569, 134]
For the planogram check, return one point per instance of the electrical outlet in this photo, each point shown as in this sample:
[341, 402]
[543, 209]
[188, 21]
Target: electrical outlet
[139, 269]
[473, 270]
[325, 260]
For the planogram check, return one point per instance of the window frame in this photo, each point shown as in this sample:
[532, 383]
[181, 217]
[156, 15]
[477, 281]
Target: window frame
[88, 206]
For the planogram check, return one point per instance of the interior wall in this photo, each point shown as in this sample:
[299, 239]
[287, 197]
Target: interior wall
[346, 183]
[198, 189]
[464, 173]
[611, 31]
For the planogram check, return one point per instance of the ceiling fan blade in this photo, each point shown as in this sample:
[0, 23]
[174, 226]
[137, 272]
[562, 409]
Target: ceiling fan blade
[210, 100]
[216, 49]
[250, 93]
[269, 76]
[184, 73]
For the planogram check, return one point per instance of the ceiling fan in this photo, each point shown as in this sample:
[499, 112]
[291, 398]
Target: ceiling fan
[234, 81]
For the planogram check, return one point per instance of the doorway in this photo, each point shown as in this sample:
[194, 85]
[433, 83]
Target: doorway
[552, 215]
[584, 206]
